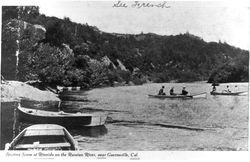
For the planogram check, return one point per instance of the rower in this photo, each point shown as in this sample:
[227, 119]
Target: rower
[214, 89]
[236, 89]
[184, 92]
[172, 91]
[214, 86]
[227, 90]
[161, 91]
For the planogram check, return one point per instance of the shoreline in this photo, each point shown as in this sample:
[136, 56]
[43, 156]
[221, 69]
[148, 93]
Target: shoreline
[14, 91]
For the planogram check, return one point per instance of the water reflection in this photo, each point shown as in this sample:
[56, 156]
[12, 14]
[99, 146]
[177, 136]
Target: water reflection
[88, 131]
[84, 107]
[74, 96]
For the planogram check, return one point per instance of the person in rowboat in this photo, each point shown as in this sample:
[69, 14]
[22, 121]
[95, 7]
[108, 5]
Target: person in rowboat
[161, 91]
[227, 90]
[214, 89]
[236, 89]
[214, 86]
[184, 92]
[171, 92]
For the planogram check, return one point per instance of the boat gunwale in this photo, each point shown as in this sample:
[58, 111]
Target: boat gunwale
[228, 93]
[51, 114]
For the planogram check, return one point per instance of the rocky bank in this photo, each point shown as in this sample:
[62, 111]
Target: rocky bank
[15, 90]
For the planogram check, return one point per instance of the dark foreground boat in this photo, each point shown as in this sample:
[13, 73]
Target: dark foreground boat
[43, 137]
[61, 118]
[228, 93]
[201, 95]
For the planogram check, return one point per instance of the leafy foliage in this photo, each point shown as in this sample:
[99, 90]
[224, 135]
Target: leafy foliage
[232, 71]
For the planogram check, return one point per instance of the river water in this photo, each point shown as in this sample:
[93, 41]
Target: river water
[137, 122]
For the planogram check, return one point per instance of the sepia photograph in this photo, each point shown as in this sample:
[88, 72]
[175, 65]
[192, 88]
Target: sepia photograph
[124, 77]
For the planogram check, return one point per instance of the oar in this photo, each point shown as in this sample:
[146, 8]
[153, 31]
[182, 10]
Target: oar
[200, 95]
[243, 93]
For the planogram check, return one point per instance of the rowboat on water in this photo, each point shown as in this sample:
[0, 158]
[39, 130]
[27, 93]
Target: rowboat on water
[200, 95]
[228, 93]
[61, 118]
[43, 137]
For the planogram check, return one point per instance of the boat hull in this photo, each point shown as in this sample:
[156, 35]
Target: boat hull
[67, 119]
[172, 96]
[201, 95]
[226, 94]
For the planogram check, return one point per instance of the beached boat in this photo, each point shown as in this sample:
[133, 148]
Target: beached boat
[43, 137]
[61, 118]
[228, 93]
[201, 95]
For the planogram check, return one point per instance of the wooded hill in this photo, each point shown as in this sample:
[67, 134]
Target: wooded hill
[61, 52]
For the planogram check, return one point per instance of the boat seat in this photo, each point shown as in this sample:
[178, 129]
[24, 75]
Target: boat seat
[45, 145]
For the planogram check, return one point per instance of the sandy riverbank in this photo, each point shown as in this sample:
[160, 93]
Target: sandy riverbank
[15, 90]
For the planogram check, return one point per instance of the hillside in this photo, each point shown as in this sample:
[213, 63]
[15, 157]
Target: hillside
[62, 52]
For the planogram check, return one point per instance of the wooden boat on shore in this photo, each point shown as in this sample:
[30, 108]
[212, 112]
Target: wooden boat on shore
[228, 93]
[200, 95]
[61, 118]
[43, 137]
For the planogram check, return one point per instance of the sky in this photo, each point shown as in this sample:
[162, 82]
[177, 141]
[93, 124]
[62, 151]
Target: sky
[212, 21]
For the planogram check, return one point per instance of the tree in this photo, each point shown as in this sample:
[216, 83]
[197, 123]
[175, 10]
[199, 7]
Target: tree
[55, 35]
[50, 63]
